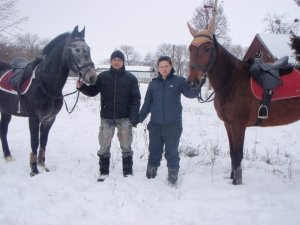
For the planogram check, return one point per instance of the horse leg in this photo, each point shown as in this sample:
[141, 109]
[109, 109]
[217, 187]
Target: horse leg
[236, 136]
[34, 139]
[44, 132]
[230, 146]
[4, 122]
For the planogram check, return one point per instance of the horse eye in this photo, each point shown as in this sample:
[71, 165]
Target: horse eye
[77, 50]
[206, 50]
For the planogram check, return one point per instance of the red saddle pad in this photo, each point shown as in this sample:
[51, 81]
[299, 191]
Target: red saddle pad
[6, 86]
[290, 87]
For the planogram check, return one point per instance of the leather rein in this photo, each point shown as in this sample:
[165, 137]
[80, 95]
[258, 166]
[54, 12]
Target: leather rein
[78, 70]
[206, 69]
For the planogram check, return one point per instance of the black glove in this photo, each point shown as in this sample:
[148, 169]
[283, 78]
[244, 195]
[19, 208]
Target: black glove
[134, 123]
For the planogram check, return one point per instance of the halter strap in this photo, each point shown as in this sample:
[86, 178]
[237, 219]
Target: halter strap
[204, 35]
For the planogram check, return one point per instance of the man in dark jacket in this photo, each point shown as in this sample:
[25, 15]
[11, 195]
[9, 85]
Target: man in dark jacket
[120, 103]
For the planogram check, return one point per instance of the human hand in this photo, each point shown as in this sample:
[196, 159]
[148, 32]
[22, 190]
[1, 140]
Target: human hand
[79, 84]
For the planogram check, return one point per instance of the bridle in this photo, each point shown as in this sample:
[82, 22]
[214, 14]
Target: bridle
[73, 64]
[205, 68]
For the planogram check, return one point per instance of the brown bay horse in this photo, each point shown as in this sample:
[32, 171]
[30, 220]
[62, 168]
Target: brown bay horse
[234, 102]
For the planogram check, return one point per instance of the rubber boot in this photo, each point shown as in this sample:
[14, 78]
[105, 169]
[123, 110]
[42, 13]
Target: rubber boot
[127, 165]
[173, 176]
[151, 171]
[104, 165]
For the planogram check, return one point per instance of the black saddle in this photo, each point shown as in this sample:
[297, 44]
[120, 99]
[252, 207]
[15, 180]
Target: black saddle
[268, 75]
[19, 63]
[22, 70]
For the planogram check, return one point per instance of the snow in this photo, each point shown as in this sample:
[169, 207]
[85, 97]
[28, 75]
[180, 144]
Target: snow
[70, 194]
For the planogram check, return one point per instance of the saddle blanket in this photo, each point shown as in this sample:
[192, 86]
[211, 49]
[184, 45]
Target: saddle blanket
[290, 87]
[6, 86]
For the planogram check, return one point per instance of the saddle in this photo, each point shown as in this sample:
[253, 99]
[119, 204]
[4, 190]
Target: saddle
[22, 70]
[268, 77]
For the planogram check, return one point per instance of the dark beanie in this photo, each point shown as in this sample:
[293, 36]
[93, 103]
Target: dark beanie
[117, 54]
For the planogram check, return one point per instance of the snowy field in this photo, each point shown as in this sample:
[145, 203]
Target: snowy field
[70, 195]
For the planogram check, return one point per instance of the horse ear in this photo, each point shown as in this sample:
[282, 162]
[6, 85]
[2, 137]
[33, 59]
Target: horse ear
[75, 29]
[74, 32]
[82, 32]
[192, 30]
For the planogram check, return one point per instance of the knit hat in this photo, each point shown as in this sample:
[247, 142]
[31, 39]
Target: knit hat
[117, 54]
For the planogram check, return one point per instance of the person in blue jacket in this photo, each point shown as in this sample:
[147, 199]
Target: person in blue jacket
[163, 102]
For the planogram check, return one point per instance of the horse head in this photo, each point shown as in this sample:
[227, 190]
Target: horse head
[202, 55]
[79, 57]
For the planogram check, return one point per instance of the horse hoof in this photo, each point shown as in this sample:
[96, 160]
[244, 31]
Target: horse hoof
[44, 167]
[237, 176]
[237, 181]
[9, 159]
[34, 169]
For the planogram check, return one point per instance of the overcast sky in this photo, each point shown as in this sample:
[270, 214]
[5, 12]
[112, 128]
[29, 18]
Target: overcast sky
[143, 24]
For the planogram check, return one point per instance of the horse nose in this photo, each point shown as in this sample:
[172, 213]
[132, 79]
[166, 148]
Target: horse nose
[93, 77]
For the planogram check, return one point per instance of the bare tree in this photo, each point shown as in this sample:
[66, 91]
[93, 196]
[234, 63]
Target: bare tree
[30, 45]
[27, 45]
[203, 15]
[277, 24]
[179, 55]
[9, 15]
[297, 2]
[131, 56]
[149, 60]
[237, 50]
[165, 50]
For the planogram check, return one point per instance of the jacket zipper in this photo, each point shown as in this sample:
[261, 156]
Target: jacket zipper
[164, 93]
[115, 90]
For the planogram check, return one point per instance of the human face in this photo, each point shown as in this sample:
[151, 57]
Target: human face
[164, 68]
[117, 63]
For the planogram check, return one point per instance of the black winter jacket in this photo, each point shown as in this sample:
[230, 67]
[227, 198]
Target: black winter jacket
[120, 94]
[163, 99]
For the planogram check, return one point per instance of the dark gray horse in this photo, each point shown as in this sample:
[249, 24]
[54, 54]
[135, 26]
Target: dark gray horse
[43, 99]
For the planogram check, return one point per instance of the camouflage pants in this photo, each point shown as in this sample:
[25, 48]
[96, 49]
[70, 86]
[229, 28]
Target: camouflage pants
[106, 133]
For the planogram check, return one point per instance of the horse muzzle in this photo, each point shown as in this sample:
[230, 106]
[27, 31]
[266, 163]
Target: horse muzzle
[90, 76]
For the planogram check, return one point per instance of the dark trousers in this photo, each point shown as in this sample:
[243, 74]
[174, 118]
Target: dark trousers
[167, 136]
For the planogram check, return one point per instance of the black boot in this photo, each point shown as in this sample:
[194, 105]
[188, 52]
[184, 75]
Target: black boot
[151, 171]
[127, 165]
[173, 176]
[104, 165]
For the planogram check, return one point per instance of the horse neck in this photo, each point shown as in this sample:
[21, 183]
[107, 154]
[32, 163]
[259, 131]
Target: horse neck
[55, 75]
[223, 69]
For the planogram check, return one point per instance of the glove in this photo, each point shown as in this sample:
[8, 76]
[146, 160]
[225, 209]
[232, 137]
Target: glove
[134, 123]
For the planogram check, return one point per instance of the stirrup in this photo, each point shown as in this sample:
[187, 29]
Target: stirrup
[262, 112]
[19, 107]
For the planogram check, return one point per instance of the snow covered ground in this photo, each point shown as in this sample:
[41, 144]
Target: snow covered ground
[69, 193]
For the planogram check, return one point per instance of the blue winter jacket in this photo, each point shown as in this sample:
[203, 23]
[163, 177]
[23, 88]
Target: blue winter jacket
[163, 99]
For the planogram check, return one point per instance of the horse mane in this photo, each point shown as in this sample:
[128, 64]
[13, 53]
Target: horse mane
[229, 56]
[58, 41]
[295, 44]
